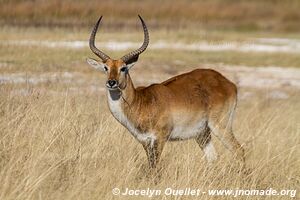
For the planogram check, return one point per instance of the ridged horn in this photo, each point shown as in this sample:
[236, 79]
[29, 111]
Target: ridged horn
[94, 49]
[140, 50]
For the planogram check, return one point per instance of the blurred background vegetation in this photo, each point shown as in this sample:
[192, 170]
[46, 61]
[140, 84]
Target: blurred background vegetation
[242, 15]
[59, 141]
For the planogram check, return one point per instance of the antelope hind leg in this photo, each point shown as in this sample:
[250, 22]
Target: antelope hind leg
[206, 145]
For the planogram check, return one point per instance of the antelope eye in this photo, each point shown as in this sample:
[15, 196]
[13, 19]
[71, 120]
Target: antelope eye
[105, 68]
[123, 69]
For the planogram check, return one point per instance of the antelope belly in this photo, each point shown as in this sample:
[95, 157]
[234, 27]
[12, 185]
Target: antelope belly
[187, 131]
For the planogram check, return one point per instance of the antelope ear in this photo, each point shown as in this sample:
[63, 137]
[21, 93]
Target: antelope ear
[97, 65]
[132, 61]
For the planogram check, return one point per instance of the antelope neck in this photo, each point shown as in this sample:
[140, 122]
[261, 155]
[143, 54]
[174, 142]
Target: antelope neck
[122, 101]
[129, 93]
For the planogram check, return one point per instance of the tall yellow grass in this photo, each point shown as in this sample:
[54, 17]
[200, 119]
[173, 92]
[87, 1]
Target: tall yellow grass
[67, 146]
[59, 141]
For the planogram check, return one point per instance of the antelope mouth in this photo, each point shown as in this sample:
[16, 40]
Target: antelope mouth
[112, 87]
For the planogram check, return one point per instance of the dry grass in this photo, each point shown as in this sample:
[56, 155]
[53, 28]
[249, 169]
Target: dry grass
[271, 15]
[65, 145]
[58, 140]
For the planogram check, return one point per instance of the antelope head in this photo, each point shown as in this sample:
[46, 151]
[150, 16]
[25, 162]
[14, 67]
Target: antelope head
[116, 70]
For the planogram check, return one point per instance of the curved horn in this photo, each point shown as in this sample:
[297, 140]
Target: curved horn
[94, 49]
[137, 52]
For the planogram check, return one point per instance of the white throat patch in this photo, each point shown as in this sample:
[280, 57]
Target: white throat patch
[115, 107]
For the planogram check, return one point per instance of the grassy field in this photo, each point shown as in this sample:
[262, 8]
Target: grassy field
[37, 58]
[59, 141]
[66, 145]
[243, 15]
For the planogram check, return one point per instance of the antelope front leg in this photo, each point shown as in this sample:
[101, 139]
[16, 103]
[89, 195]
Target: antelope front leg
[153, 148]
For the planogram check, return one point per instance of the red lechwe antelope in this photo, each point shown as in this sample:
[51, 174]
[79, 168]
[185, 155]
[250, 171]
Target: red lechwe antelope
[190, 105]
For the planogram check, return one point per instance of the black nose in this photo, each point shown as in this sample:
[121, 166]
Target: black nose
[112, 83]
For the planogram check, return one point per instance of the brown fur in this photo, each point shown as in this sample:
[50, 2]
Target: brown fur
[199, 94]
